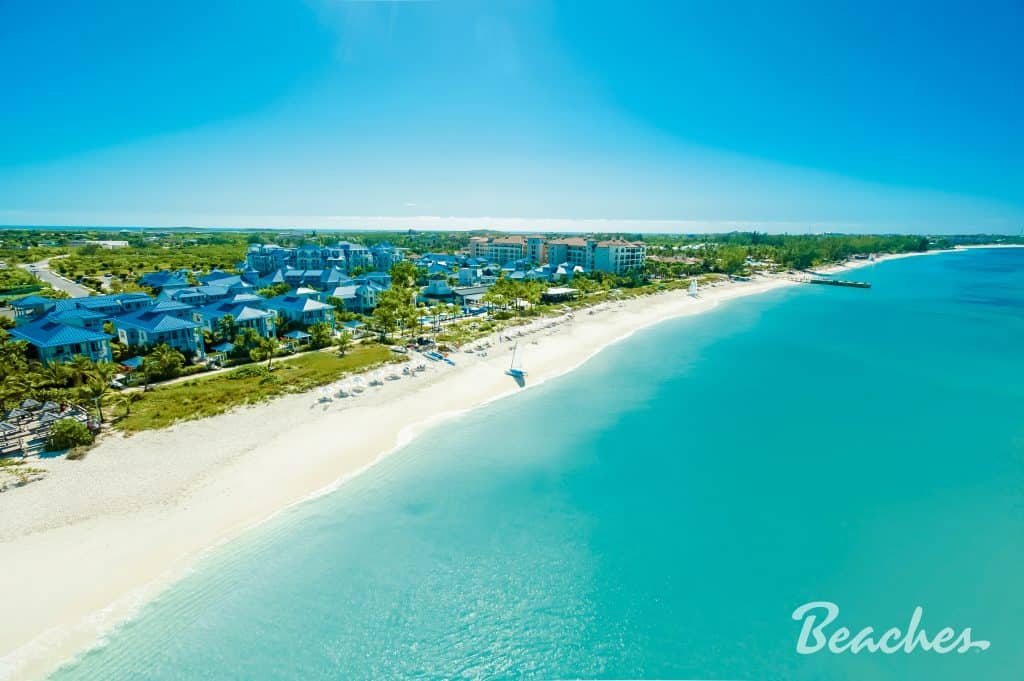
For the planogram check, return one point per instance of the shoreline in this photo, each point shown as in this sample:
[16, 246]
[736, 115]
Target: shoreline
[96, 539]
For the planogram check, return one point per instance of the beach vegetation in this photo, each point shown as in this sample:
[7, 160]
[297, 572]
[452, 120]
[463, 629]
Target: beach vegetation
[162, 363]
[15, 473]
[396, 312]
[343, 343]
[68, 433]
[320, 335]
[265, 350]
[247, 385]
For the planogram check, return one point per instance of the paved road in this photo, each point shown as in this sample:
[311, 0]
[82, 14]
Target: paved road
[58, 282]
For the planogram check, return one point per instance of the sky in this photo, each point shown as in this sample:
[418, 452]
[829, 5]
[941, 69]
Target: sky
[633, 116]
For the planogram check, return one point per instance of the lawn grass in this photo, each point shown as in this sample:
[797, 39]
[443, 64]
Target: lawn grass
[208, 396]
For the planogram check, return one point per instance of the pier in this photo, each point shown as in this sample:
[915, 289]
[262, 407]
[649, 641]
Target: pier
[839, 282]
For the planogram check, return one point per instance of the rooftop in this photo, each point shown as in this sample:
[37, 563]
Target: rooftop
[154, 321]
[48, 333]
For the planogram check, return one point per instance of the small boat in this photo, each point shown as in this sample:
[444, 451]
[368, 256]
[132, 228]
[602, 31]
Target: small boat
[516, 370]
[692, 291]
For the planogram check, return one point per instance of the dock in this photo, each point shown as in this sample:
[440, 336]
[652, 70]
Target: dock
[839, 282]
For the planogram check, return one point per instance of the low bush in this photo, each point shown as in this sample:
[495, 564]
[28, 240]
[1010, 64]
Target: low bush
[248, 371]
[68, 433]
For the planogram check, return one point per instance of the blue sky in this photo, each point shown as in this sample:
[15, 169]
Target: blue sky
[664, 116]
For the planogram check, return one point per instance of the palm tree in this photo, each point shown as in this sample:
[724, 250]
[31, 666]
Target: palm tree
[344, 342]
[269, 346]
[96, 390]
[81, 366]
[226, 328]
[103, 371]
[55, 375]
[266, 349]
[165, 361]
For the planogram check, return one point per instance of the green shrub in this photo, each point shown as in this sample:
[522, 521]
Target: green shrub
[193, 369]
[248, 371]
[68, 433]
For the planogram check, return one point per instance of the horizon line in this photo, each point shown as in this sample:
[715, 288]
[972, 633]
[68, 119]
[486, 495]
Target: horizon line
[368, 223]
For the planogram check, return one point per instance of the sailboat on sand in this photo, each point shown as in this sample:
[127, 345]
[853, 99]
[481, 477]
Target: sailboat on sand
[516, 369]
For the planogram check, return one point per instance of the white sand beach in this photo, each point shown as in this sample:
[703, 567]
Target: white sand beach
[84, 547]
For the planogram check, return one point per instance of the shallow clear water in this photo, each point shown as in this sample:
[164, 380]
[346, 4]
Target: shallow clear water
[662, 511]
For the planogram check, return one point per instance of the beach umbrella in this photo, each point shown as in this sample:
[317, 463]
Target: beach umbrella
[48, 418]
[17, 413]
[30, 404]
[51, 406]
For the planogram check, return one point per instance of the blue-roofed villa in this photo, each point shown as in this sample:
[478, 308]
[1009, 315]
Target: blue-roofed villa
[148, 329]
[55, 341]
[246, 316]
[302, 310]
[32, 307]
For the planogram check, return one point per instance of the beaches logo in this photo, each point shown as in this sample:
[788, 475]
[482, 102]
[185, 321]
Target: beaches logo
[813, 637]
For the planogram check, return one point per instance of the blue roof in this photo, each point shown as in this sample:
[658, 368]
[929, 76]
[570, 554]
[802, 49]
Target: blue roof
[354, 324]
[214, 275]
[240, 311]
[133, 362]
[162, 279]
[31, 301]
[223, 347]
[68, 316]
[154, 322]
[296, 303]
[104, 301]
[297, 335]
[169, 306]
[48, 333]
[225, 280]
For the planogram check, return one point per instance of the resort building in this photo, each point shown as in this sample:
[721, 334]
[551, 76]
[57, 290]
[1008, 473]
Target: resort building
[266, 258]
[619, 256]
[262, 260]
[31, 307]
[106, 244]
[301, 310]
[536, 249]
[478, 246]
[58, 341]
[571, 250]
[359, 295]
[385, 256]
[243, 316]
[148, 328]
[196, 295]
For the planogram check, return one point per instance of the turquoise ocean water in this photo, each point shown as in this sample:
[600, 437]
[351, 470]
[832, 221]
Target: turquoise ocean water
[661, 512]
